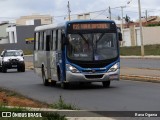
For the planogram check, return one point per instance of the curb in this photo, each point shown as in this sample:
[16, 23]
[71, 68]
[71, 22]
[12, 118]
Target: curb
[141, 78]
[140, 57]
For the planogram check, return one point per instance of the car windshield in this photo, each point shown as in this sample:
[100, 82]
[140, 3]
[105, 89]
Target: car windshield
[12, 53]
[92, 47]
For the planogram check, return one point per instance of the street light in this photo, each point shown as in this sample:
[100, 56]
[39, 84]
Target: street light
[140, 25]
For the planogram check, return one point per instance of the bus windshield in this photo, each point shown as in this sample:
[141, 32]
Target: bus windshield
[92, 47]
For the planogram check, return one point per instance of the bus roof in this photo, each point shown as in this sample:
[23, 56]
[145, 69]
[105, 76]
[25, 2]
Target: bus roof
[51, 26]
[79, 21]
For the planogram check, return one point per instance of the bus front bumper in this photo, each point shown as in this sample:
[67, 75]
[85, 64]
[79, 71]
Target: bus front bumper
[94, 77]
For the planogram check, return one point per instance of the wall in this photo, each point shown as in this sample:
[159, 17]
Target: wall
[3, 34]
[23, 32]
[151, 35]
[131, 36]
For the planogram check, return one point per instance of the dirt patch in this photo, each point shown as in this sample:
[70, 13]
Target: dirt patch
[9, 98]
[29, 65]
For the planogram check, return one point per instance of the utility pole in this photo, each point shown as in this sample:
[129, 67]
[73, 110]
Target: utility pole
[69, 11]
[140, 24]
[146, 15]
[122, 20]
[109, 10]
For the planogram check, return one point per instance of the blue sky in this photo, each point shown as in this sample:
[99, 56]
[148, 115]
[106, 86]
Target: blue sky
[12, 9]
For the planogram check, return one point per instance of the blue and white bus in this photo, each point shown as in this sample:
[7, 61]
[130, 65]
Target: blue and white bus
[77, 51]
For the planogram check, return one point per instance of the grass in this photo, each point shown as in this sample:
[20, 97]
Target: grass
[3, 108]
[46, 115]
[149, 50]
[28, 52]
[60, 104]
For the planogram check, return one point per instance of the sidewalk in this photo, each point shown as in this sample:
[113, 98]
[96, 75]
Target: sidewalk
[140, 74]
[141, 57]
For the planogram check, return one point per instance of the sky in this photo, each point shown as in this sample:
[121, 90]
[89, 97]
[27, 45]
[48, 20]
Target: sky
[13, 9]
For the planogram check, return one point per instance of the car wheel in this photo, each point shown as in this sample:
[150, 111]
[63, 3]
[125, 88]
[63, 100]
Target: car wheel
[23, 68]
[4, 69]
[53, 83]
[64, 85]
[19, 69]
[106, 84]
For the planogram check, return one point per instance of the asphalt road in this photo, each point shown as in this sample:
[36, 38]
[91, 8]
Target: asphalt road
[133, 63]
[141, 63]
[122, 96]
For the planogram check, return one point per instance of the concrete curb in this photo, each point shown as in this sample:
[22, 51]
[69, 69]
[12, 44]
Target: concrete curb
[140, 57]
[141, 78]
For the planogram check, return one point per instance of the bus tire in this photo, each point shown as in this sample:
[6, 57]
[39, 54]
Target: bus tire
[106, 84]
[53, 83]
[45, 81]
[64, 85]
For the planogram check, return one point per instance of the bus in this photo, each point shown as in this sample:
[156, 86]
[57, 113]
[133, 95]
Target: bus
[82, 51]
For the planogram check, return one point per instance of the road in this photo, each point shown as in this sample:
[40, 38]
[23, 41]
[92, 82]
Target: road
[141, 63]
[133, 63]
[122, 96]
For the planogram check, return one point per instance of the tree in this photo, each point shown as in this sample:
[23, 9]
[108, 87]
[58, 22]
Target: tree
[127, 19]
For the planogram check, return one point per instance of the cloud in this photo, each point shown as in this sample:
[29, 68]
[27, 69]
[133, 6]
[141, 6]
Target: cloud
[16, 8]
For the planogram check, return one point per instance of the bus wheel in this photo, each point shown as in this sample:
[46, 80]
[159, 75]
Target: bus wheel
[45, 81]
[64, 85]
[106, 84]
[53, 83]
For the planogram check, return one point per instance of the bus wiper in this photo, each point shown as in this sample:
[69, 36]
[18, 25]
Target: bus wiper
[84, 39]
[100, 38]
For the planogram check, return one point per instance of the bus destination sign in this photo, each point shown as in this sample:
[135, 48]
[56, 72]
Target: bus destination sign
[85, 26]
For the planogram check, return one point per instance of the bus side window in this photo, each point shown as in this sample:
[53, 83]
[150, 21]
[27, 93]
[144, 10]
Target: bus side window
[41, 42]
[48, 39]
[54, 40]
[51, 42]
[44, 41]
[36, 40]
[39, 39]
[59, 39]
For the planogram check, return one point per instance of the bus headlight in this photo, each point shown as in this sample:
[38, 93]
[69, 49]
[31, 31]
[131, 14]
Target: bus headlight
[114, 67]
[71, 68]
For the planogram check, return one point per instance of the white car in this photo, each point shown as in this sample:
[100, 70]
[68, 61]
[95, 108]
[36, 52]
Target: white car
[12, 59]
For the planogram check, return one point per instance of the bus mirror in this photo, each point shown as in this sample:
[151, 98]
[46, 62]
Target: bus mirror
[120, 36]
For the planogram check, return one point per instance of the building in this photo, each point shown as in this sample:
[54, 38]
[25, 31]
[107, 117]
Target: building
[3, 33]
[25, 20]
[20, 37]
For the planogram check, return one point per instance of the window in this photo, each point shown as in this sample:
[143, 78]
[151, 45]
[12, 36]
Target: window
[53, 41]
[36, 40]
[56, 42]
[41, 42]
[59, 39]
[44, 41]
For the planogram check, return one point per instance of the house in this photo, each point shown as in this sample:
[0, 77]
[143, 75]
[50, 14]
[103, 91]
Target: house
[20, 36]
[24, 20]
[3, 33]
